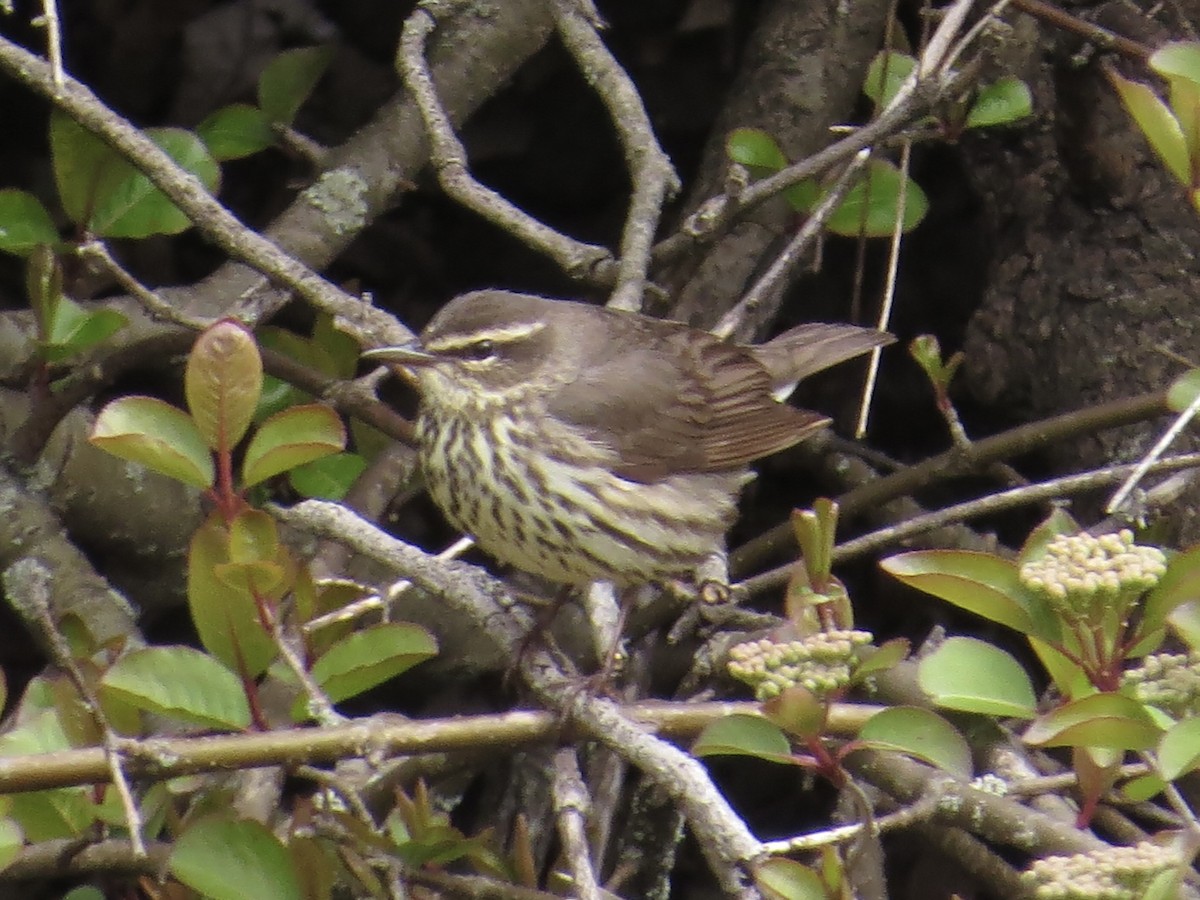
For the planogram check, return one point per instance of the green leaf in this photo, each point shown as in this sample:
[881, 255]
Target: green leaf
[1106, 721]
[921, 734]
[980, 583]
[973, 676]
[785, 879]
[236, 131]
[1179, 749]
[291, 438]
[370, 657]
[24, 223]
[756, 150]
[898, 67]
[44, 286]
[741, 735]
[75, 329]
[1183, 390]
[328, 478]
[1141, 787]
[127, 205]
[1179, 64]
[12, 839]
[1001, 103]
[53, 814]
[1071, 681]
[288, 80]
[1179, 585]
[78, 157]
[234, 860]
[180, 683]
[871, 206]
[223, 610]
[880, 659]
[157, 435]
[222, 381]
[1157, 123]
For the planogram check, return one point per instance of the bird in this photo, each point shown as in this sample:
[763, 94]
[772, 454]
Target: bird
[579, 443]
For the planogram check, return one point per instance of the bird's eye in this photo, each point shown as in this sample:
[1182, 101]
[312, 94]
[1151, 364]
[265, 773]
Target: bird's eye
[481, 350]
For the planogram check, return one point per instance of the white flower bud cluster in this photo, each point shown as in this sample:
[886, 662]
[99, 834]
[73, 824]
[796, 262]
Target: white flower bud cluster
[1083, 574]
[1114, 873]
[1170, 681]
[821, 662]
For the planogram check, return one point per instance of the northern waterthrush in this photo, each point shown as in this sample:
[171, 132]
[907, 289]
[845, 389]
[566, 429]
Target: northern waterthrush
[579, 443]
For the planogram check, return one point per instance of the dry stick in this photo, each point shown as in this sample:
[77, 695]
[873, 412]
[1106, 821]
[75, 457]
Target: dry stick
[961, 460]
[156, 306]
[187, 192]
[50, 21]
[27, 585]
[163, 758]
[571, 807]
[650, 171]
[772, 279]
[1101, 37]
[726, 842]
[961, 512]
[68, 858]
[449, 160]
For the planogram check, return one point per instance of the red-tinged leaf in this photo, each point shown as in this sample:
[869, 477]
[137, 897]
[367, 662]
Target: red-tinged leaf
[225, 615]
[797, 711]
[921, 734]
[222, 382]
[227, 859]
[157, 435]
[253, 537]
[740, 735]
[1108, 721]
[291, 438]
[180, 683]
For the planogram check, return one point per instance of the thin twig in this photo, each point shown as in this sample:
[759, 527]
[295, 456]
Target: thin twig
[449, 160]
[650, 171]
[771, 280]
[155, 305]
[27, 585]
[571, 807]
[961, 512]
[1159, 448]
[50, 21]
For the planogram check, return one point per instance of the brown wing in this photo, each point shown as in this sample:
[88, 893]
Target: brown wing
[676, 400]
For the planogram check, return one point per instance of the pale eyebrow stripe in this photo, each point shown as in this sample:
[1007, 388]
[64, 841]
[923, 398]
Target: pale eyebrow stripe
[506, 334]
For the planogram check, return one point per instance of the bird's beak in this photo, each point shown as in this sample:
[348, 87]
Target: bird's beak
[411, 354]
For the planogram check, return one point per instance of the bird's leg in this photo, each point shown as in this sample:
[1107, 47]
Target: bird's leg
[710, 582]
